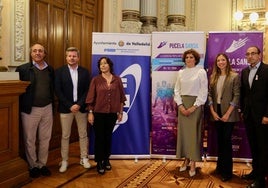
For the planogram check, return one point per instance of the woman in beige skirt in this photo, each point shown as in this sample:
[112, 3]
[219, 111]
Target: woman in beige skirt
[190, 92]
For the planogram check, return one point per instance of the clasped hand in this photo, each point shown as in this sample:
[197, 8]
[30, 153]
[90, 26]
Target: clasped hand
[216, 117]
[188, 111]
[264, 120]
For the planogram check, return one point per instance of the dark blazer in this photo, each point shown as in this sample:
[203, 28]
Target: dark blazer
[230, 95]
[64, 88]
[26, 73]
[254, 100]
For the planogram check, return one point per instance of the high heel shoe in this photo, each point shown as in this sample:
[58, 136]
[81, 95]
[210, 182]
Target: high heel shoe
[107, 165]
[183, 168]
[184, 165]
[226, 178]
[192, 171]
[100, 168]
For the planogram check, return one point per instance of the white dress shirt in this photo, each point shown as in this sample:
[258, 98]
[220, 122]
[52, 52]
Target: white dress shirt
[74, 76]
[252, 72]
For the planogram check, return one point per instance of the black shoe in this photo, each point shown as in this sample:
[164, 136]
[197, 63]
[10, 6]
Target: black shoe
[34, 172]
[257, 184]
[250, 176]
[100, 168]
[107, 165]
[217, 171]
[225, 178]
[45, 171]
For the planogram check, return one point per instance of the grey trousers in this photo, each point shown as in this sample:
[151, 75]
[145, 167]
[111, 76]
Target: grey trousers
[38, 123]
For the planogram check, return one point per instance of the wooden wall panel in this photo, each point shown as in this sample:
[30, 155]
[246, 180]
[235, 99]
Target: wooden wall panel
[39, 22]
[4, 124]
[76, 30]
[59, 24]
[87, 43]
[9, 145]
[13, 169]
[58, 32]
[82, 24]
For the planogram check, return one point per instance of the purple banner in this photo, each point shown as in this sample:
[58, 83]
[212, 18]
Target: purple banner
[234, 44]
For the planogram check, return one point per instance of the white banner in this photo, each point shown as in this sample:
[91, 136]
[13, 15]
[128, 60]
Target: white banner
[167, 51]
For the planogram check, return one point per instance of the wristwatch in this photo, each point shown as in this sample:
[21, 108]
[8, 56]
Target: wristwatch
[90, 111]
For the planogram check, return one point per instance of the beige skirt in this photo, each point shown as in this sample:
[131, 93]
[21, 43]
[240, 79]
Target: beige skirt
[189, 132]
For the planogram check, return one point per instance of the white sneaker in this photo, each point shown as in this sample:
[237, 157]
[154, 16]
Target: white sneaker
[84, 162]
[64, 165]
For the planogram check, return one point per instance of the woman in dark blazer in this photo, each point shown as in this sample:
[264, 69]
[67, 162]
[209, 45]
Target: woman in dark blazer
[223, 99]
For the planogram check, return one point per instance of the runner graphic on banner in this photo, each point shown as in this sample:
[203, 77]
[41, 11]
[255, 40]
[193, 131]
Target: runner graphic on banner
[234, 44]
[167, 51]
[131, 56]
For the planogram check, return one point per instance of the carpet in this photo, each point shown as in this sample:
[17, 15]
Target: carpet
[159, 174]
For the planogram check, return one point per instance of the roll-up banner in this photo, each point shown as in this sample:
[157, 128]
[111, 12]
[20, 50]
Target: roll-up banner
[234, 45]
[167, 51]
[131, 55]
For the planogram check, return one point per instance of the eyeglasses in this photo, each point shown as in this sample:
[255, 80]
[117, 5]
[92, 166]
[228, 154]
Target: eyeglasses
[251, 54]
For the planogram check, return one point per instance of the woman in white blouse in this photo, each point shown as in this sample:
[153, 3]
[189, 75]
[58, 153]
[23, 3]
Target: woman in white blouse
[223, 99]
[190, 92]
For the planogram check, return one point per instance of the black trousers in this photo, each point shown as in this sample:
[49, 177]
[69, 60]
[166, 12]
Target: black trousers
[103, 128]
[224, 141]
[257, 134]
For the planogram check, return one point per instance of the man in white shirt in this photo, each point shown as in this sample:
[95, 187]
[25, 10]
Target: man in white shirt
[71, 87]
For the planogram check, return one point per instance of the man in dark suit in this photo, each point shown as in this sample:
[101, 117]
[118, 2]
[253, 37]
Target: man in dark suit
[254, 107]
[71, 87]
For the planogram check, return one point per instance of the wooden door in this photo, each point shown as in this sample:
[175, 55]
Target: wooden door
[81, 24]
[59, 24]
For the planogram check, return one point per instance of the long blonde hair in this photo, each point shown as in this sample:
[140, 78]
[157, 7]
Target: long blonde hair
[216, 72]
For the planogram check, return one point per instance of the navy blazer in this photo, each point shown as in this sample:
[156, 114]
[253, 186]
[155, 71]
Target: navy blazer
[64, 88]
[254, 100]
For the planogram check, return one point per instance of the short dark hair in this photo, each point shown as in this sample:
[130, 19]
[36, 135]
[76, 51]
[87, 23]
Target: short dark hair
[257, 48]
[194, 53]
[110, 63]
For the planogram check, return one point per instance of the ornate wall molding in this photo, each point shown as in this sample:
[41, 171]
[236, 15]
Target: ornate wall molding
[20, 31]
[248, 6]
[1, 7]
[192, 25]
[162, 15]
[130, 15]
[234, 9]
[176, 19]
[162, 21]
[131, 26]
